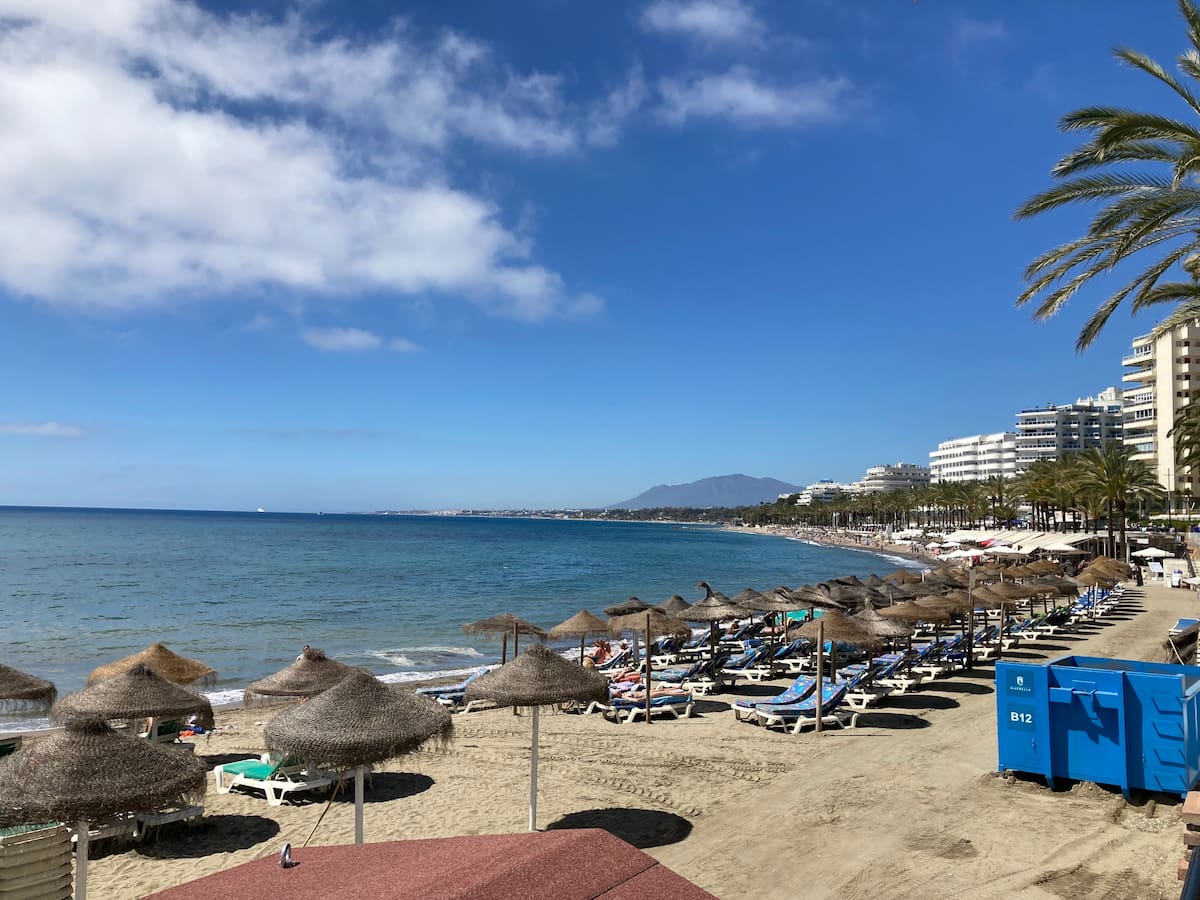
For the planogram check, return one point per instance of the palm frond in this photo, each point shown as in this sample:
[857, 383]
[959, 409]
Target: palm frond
[1090, 187]
[1192, 16]
[1150, 67]
[1187, 314]
[1090, 156]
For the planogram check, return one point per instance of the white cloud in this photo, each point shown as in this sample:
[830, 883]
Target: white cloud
[42, 429]
[341, 340]
[967, 31]
[153, 152]
[608, 118]
[403, 345]
[708, 21]
[739, 95]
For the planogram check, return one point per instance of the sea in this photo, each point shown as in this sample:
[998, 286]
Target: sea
[243, 592]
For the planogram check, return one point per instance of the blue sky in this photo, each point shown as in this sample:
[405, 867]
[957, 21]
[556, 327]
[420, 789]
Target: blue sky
[535, 254]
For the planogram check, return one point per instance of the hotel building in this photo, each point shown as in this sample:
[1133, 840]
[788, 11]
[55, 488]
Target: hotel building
[1054, 431]
[1160, 374]
[975, 458]
[900, 477]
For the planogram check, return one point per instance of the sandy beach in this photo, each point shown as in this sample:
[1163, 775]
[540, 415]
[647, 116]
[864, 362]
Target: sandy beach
[906, 803]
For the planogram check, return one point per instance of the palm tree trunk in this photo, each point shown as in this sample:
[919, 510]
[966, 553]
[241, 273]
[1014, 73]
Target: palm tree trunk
[1110, 529]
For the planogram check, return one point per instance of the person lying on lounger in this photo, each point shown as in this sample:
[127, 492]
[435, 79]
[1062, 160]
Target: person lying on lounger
[637, 695]
[625, 675]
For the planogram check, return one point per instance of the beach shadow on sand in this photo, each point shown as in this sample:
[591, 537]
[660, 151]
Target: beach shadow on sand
[641, 827]
[384, 786]
[209, 835]
[920, 701]
[702, 707]
[891, 720]
[961, 687]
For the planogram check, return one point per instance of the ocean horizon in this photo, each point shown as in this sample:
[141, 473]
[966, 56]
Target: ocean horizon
[244, 591]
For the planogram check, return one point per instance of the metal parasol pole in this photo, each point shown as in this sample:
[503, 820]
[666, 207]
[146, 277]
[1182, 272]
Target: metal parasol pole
[648, 664]
[81, 859]
[358, 805]
[820, 671]
[533, 760]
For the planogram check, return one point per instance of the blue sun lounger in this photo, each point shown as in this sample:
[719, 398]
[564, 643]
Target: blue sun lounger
[444, 690]
[673, 706]
[744, 707]
[796, 716]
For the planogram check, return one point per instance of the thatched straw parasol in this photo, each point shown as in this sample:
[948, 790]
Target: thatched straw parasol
[916, 611]
[505, 624]
[674, 605]
[170, 665]
[538, 678]
[355, 723]
[632, 605]
[24, 688]
[140, 693]
[879, 626]
[311, 673]
[812, 597]
[745, 597]
[581, 625]
[88, 771]
[714, 608]
[903, 576]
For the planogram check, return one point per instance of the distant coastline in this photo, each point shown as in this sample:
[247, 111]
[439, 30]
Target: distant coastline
[840, 538]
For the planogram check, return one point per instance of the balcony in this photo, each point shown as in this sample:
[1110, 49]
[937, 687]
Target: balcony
[1138, 357]
[1146, 374]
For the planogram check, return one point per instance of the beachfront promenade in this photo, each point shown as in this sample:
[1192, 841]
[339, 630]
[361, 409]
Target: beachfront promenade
[905, 804]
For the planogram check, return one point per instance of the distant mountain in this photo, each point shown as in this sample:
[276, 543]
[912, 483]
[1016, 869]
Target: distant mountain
[721, 491]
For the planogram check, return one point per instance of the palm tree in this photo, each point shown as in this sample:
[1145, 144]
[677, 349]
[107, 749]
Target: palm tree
[1113, 474]
[1186, 431]
[1155, 210]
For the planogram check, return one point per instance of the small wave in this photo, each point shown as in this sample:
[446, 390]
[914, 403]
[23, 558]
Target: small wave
[399, 677]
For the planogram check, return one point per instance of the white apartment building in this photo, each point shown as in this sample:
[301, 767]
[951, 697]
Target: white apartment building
[823, 492]
[1053, 431]
[974, 458]
[900, 477]
[1160, 375]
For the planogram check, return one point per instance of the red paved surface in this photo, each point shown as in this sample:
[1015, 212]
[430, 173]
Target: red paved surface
[565, 865]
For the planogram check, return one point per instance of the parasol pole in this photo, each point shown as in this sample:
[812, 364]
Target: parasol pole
[582, 640]
[504, 649]
[971, 619]
[358, 805]
[533, 759]
[81, 859]
[516, 643]
[648, 667]
[820, 671]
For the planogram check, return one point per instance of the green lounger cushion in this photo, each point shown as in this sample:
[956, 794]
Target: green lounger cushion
[251, 768]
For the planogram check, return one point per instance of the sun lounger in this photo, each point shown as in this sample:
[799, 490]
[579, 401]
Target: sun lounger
[9, 746]
[796, 716]
[707, 676]
[276, 775]
[152, 820]
[743, 707]
[449, 689]
[866, 687]
[747, 665]
[121, 827]
[673, 705]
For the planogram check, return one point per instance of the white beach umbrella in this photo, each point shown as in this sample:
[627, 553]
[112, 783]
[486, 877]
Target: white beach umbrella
[1152, 553]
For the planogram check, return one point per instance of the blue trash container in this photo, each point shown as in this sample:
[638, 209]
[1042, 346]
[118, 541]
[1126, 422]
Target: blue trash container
[1119, 722]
